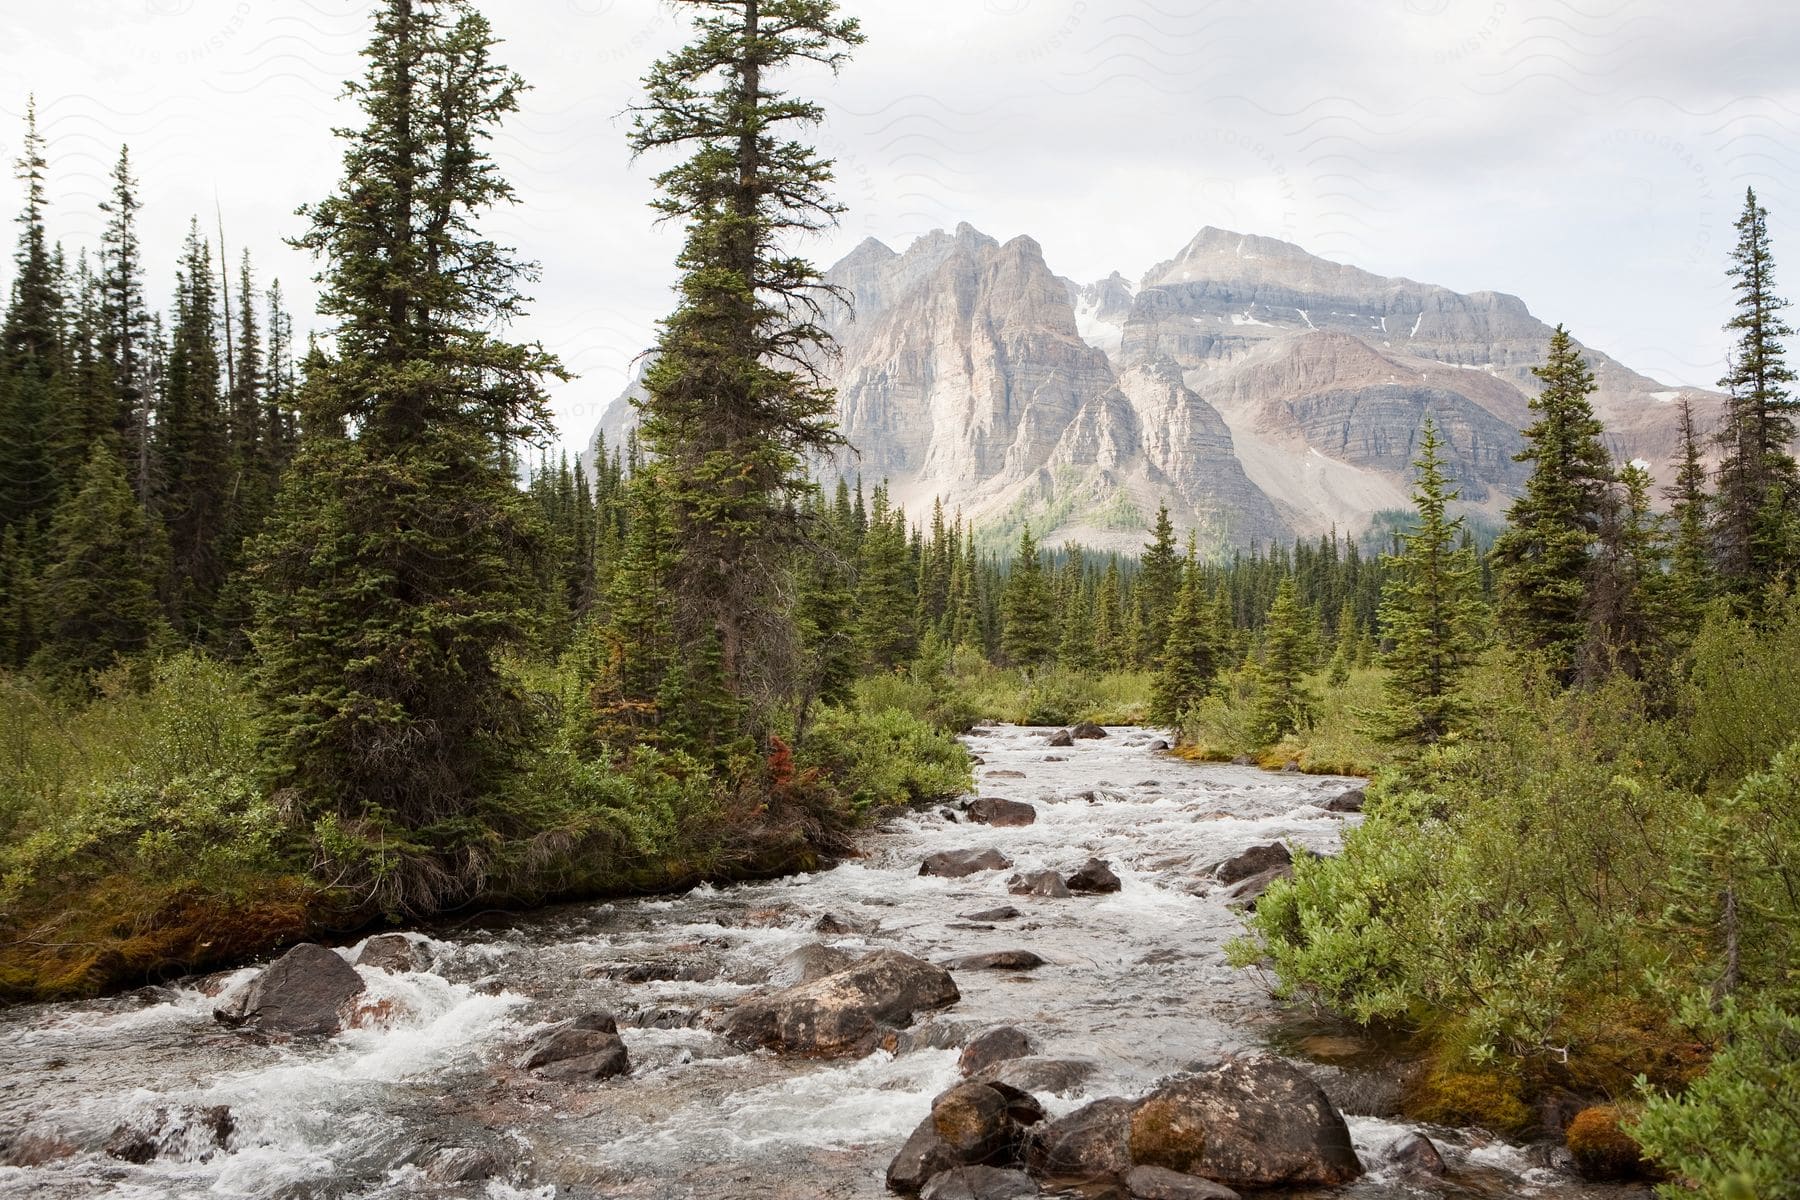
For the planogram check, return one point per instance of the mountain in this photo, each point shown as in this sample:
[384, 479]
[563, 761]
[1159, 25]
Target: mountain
[1258, 390]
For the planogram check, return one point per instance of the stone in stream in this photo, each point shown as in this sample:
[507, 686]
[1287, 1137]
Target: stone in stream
[1087, 730]
[979, 1183]
[391, 952]
[1414, 1152]
[461, 1164]
[1033, 1073]
[954, 864]
[1061, 737]
[1248, 1122]
[586, 1050]
[1245, 893]
[1005, 912]
[992, 1048]
[972, 1124]
[1349, 800]
[192, 1134]
[1253, 861]
[949, 815]
[815, 960]
[1006, 774]
[1093, 1142]
[831, 923]
[305, 992]
[1159, 744]
[1095, 877]
[1100, 795]
[996, 960]
[844, 1013]
[991, 810]
[1039, 883]
[35, 1147]
[1160, 1183]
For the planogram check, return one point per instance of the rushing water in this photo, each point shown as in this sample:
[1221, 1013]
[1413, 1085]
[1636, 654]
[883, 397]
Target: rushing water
[1136, 982]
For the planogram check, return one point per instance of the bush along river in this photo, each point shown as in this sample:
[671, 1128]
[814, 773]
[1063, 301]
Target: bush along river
[1022, 993]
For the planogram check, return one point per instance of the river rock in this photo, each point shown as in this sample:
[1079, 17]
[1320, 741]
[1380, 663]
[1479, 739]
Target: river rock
[1350, 800]
[1247, 1122]
[815, 960]
[991, 810]
[844, 1013]
[1253, 861]
[305, 992]
[391, 952]
[1006, 774]
[578, 1054]
[192, 1134]
[1160, 1183]
[35, 1147]
[1159, 744]
[954, 864]
[461, 1164]
[1039, 883]
[1087, 730]
[1005, 912]
[1033, 1073]
[1414, 1152]
[938, 1033]
[972, 1124]
[1095, 877]
[1093, 1142]
[923, 1156]
[979, 1183]
[833, 925]
[1061, 737]
[1246, 892]
[994, 1047]
[996, 960]
[949, 814]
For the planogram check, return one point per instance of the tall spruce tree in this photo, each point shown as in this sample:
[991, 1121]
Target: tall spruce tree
[1628, 593]
[127, 342]
[33, 383]
[1028, 612]
[396, 568]
[1690, 559]
[1109, 631]
[1430, 610]
[1284, 704]
[1757, 527]
[1158, 582]
[1543, 559]
[735, 400]
[1190, 658]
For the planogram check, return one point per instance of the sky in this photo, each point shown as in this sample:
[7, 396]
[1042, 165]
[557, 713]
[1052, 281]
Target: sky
[1587, 156]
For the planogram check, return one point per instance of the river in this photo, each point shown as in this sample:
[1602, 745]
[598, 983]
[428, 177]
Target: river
[1135, 984]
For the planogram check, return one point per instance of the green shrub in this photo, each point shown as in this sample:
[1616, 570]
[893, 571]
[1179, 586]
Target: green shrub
[883, 757]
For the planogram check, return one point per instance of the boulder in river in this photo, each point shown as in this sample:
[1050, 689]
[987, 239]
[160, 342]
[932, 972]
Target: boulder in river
[844, 1013]
[979, 1183]
[1035, 1073]
[815, 960]
[1061, 737]
[1093, 1142]
[1160, 1183]
[1006, 774]
[461, 1164]
[1005, 912]
[305, 992]
[995, 1046]
[392, 952]
[972, 1124]
[587, 1050]
[1248, 1122]
[1415, 1153]
[1039, 883]
[1095, 877]
[1087, 730]
[1350, 800]
[1246, 892]
[954, 864]
[991, 810]
[1158, 745]
[192, 1134]
[996, 960]
[1253, 861]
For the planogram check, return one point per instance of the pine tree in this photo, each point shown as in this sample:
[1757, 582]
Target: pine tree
[98, 593]
[1541, 561]
[1628, 590]
[1284, 704]
[1759, 486]
[1690, 582]
[828, 634]
[1109, 634]
[1190, 658]
[126, 343]
[1343, 656]
[1159, 579]
[32, 383]
[637, 639]
[735, 400]
[397, 566]
[884, 599]
[1430, 610]
[1028, 636]
[1075, 648]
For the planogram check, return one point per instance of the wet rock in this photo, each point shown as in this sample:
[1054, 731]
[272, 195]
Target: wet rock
[1100, 796]
[991, 810]
[1087, 730]
[1005, 912]
[972, 1124]
[1056, 758]
[844, 1013]
[1350, 800]
[1006, 774]
[1160, 1183]
[973, 926]
[949, 815]
[979, 1183]
[579, 1055]
[1602, 1148]
[937, 1034]
[1159, 744]
[1380, 1092]
[1093, 1142]
[954, 864]
[1245, 893]
[305, 992]
[188, 1134]
[35, 1147]
[1039, 883]
[923, 1156]
[392, 952]
[1253, 861]
[462, 1164]
[977, 760]
[1095, 877]
[815, 960]
[1414, 1152]
[663, 1018]
[1260, 1123]
[992, 1048]
[996, 960]
[1061, 737]
[835, 926]
[1058, 1076]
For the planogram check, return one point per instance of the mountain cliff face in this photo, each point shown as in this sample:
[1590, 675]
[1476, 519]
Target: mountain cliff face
[1259, 391]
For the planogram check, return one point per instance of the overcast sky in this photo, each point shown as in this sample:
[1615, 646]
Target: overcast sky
[1588, 156]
